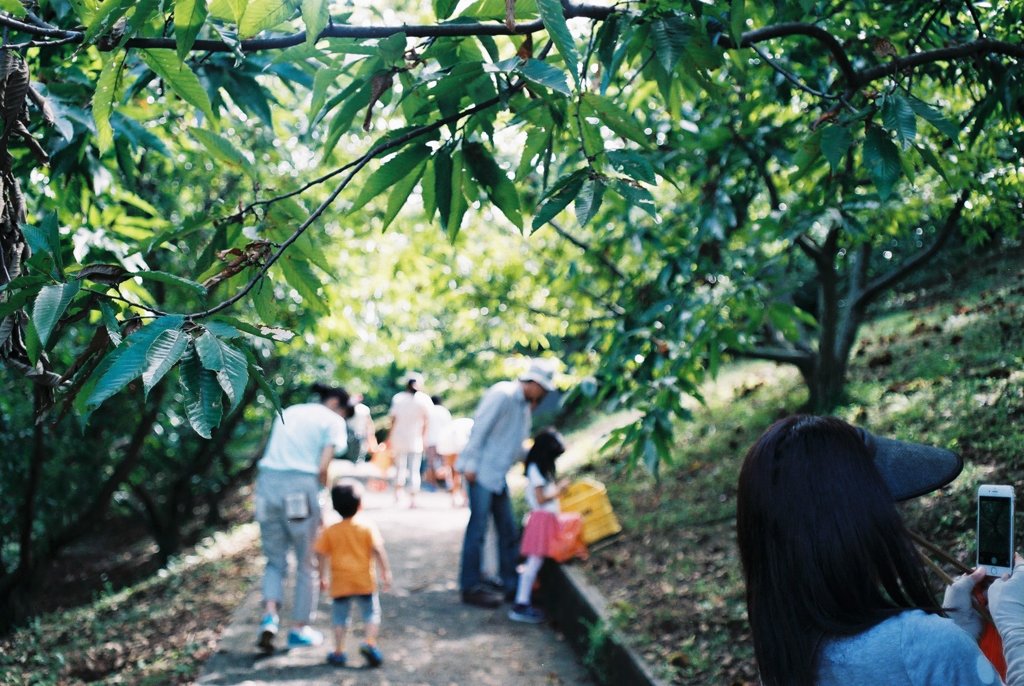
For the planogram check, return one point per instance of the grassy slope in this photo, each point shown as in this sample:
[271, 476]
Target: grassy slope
[945, 369]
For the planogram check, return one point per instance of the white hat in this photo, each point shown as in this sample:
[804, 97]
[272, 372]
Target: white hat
[541, 375]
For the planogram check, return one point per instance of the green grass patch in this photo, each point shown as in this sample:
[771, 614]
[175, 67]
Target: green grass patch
[154, 633]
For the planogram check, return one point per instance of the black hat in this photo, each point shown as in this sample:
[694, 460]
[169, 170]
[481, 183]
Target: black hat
[911, 469]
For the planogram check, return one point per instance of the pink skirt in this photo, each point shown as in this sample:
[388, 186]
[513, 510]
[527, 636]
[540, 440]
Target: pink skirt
[541, 529]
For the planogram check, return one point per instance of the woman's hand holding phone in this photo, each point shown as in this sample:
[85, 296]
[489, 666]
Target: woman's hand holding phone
[959, 606]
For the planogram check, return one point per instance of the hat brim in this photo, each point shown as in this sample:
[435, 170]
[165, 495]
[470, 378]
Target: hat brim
[911, 469]
[541, 381]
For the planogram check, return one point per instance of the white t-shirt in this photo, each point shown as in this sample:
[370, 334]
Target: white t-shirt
[410, 413]
[360, 421]
[440, 418]
[534, 479]
[298, 439]
[455, 437]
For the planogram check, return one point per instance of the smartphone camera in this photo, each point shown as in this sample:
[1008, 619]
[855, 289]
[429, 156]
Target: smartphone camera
[995, 528]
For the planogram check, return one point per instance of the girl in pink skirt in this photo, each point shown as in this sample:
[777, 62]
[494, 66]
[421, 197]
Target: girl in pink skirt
[542, 493]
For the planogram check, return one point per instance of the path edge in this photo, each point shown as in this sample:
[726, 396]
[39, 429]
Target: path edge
[579, 610]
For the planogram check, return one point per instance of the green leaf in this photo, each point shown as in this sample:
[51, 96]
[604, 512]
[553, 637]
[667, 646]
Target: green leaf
[256, 372]
[400, 193]
[203, 394]
[233, 377]
[316, 16]
[210, 353]
[552, 15]
[178, 77]
[669, 39]
[13, 7]
[807, 155]
[636, 196]
[544, 74]
[495, 182]
[130, 359]
[162, 355]
[835, 143]
[392, 50]
[444, 8]
[189, 17]
[265, 302]
[300, 277]
[588, 201]
[391, 172]
[222, 149]
[264, 14]
[563, 193]
[617, 119]
[737, 20]
[50, 305]
[103, 99]
[110, 322]
[882, 160]
[899, 118]
[932, 160]
[171, 280]
[632, 164]
[223, 329]
[935, 118]
[458, 203]
[105, 18]
[536, 142]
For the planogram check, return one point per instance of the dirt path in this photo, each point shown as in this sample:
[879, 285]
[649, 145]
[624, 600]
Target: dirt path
[427, 636]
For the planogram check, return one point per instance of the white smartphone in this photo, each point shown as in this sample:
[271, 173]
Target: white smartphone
[995, 528]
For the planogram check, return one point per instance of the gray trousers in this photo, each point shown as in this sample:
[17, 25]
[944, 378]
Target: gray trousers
[278, 534]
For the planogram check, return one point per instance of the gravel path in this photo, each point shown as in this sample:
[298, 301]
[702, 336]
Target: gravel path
[427, 636]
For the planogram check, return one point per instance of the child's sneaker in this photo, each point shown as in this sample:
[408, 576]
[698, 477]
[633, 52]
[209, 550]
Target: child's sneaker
[337, 659]
[525, 613]
[372, 655]
[304, 637]
[268, 630]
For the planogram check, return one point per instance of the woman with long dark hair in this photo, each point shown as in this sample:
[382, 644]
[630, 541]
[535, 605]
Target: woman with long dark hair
[836, 591]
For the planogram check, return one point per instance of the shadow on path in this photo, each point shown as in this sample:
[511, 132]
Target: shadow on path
[427, 636]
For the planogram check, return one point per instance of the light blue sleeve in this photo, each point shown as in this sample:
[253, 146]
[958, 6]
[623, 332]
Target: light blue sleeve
[486, 415]
[937, 651]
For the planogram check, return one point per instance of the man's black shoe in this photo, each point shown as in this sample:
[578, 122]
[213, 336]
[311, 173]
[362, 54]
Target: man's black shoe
[481, 598]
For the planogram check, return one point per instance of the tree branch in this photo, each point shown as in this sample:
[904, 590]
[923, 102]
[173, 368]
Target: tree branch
[333, 30]
[603, 259]
[750, 38]
[886, 281]
[782, 355]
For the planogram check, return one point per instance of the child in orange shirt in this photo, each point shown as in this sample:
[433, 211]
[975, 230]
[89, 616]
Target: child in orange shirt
[350, 548]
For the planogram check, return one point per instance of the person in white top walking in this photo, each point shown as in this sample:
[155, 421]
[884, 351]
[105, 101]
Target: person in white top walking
[407, 437]
[303, 441]
[439, 420]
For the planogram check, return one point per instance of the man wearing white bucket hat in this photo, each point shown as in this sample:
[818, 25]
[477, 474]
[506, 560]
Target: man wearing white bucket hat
[500, 426]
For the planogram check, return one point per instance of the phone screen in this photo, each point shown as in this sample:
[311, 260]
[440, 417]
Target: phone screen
[994, 545]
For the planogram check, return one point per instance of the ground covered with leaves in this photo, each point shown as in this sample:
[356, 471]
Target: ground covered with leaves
[153, 633]
[942, 365]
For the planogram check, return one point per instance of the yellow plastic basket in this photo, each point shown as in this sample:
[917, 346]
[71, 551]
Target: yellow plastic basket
[589, 498]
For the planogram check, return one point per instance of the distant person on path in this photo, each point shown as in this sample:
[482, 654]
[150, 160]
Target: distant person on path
[350, 549]
[361, 423]
[303, 440]
[450, 443]
[542, 491]
[439, 420]
[836, 591]
[410, 421]
[500, 426]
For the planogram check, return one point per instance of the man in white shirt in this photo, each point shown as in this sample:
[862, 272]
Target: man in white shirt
[407, 437]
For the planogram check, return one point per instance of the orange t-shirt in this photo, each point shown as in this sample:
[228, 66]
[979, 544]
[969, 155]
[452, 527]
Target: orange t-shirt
[349, 545]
